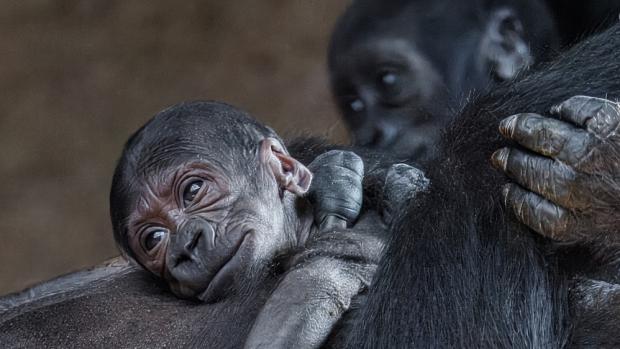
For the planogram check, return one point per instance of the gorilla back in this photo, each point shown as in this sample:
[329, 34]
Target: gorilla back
[460, 271]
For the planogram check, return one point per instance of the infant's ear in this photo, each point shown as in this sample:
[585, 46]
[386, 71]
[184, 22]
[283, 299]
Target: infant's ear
[290, 174]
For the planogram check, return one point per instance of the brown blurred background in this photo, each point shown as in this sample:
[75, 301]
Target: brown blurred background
[78, 76]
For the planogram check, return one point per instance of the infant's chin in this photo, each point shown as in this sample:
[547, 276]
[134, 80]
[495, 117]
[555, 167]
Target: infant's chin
[225, 280]
[184, 291]
[188, 281]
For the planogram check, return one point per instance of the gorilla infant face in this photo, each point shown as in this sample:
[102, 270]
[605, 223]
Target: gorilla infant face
[198, 228]
[205, 199]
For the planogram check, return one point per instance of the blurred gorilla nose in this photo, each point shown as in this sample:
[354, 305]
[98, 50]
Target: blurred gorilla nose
[379, 135]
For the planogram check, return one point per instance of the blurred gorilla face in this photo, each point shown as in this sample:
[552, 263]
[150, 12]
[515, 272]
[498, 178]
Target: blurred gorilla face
[397, 68]
[386, 91]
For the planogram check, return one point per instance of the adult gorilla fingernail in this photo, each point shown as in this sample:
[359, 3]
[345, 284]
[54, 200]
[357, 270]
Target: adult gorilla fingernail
[505, 194]
[507, 126]
[499, 159]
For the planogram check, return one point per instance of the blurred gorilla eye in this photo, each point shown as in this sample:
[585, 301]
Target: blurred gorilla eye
[357, 105]
[389, 82]
[389, 85]
[191, 190]
[389, 79]
[153, 238]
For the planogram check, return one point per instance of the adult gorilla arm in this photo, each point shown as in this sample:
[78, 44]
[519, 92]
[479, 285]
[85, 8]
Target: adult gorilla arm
[48, 292]
[574, 179]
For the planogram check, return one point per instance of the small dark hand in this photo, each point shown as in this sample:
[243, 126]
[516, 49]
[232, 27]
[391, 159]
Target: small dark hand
[402, 183]
[336, 191]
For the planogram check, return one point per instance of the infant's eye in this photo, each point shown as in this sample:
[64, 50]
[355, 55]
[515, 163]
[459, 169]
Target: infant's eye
[153, 238]
[190, 192]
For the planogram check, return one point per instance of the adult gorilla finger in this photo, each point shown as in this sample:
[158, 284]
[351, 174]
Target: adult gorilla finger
[549, 137]
[598, 115]
[543, 216]
[552, 179]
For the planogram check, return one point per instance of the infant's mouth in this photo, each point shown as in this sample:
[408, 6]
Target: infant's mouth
[224, 276]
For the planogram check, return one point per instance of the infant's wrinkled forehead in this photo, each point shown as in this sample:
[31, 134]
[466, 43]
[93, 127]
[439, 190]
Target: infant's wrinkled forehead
[207, 130]
[206, 122]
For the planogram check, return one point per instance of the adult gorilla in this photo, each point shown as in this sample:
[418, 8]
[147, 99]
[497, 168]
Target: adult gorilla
[462, 272]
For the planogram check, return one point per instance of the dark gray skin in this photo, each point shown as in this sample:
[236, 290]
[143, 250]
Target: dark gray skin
[200, 213]
[339, 187]
[336, 192]
[398, 68]
[568, 189]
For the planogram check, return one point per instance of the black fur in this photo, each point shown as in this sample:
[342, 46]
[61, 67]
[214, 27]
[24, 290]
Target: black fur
[462, 273]
[577, 19]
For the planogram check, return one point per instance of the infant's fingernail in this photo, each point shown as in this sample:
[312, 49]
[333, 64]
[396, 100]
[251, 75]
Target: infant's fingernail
[499, 159]
[507, 126]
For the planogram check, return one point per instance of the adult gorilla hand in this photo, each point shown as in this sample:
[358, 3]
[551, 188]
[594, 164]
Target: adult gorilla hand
[573, 189]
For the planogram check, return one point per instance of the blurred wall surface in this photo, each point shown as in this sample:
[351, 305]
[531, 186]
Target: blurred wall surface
[79, 76]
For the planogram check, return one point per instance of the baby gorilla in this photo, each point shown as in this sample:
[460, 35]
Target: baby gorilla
[210, 200]
[305, 300]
